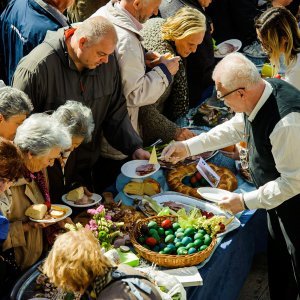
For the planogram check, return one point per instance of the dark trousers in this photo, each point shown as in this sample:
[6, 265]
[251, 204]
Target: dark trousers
[283, 250]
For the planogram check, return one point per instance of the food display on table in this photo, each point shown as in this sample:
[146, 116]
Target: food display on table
[171, 242]
[210, 115]
[39, 213]
[148, 187]
[186, 179]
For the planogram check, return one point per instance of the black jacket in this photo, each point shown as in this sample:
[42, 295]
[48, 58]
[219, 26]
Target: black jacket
[50, 77]
[234, 19]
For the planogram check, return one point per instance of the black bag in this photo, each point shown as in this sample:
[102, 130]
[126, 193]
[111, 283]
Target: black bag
[9, 270]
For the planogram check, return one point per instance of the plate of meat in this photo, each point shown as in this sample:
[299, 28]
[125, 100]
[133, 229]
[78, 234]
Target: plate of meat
[227, 47]
[139, 169]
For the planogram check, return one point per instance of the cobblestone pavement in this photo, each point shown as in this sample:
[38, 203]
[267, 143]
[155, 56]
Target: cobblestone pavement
[256, 285]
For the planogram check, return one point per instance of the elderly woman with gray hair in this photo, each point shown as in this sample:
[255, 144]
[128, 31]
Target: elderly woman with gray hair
[15, 106]
[78, 119]
[41, 141]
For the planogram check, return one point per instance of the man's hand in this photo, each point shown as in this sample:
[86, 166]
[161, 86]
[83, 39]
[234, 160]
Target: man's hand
[183, 134]
[175, 152]
[150, 57]
[140, 154]
[233, 203]
[172, 64]
[154, 59]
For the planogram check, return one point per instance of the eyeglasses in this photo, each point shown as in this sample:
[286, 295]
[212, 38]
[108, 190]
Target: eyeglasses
[222, 97]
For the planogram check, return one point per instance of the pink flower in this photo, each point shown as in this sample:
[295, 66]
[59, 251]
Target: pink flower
[92, 211]
[107, 217]
[92, 225]
[99, 209]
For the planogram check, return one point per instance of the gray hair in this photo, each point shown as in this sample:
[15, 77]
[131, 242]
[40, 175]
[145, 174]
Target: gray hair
[235, 70]
[77, 118]
[14, 102]
[94, 29]
[40, 133]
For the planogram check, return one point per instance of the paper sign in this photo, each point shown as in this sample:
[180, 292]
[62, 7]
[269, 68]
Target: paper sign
[153, 157]
[208, 173]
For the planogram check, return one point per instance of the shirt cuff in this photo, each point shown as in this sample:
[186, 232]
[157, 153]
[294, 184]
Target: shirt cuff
[195, 145]
[166, 72]
[251, 199]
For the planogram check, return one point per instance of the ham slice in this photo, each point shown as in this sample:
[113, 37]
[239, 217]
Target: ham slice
[145, 169]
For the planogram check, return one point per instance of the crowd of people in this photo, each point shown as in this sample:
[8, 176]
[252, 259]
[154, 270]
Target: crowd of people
[87, 86]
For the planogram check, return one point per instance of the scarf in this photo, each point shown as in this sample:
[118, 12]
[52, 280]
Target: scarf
[40, 180]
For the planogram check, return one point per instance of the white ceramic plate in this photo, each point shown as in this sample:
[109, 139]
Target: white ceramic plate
[234, 42]
[54, 220]
[138, 197]
[190, 202]
[95, 197]
[128, 169]
[212, 194]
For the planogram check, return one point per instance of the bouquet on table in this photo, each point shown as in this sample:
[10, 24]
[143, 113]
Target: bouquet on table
[103, 227]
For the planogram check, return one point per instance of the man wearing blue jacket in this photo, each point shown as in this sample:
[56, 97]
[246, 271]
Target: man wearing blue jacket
[23, 26]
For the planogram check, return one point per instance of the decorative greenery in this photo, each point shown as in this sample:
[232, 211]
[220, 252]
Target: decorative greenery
[103, 227]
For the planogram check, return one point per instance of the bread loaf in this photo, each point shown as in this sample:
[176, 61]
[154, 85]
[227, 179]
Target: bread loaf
[227, 182]
[76, 194]
[134, 188]
[151, 187]
[148, 187]
[57, 213]
[36, 211]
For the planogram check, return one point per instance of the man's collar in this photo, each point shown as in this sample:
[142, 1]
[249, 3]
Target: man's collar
[137, 24]
[262, 100]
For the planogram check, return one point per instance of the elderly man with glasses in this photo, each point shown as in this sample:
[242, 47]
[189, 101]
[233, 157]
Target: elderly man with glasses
[268, 119]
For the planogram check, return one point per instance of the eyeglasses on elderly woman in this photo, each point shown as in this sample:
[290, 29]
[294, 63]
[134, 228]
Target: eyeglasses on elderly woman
[222, 97]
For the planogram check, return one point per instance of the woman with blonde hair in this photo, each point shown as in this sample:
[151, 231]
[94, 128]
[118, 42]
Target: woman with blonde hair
[278, 31]
[180, 35]
[76, 264]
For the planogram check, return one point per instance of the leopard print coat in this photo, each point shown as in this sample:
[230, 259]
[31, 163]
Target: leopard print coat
[157, 120]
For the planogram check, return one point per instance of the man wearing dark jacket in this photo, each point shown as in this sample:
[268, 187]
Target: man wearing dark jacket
[79, 64]
[23, 26]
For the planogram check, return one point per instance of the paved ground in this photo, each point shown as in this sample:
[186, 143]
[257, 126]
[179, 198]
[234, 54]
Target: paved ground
[256, 285]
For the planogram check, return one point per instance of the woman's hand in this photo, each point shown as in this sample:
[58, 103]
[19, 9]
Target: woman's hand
[28, 225]
[183, 134]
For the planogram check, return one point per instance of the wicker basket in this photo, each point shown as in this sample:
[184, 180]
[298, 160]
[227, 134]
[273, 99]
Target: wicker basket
[167, 260]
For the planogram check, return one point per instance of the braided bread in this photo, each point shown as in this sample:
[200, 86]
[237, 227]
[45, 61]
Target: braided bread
[227, 182]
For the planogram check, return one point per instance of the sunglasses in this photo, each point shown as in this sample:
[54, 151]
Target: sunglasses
[222, 97]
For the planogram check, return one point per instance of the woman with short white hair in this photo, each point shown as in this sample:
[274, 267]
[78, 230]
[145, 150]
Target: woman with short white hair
[78, 119]
[15, 106]
[41, 141]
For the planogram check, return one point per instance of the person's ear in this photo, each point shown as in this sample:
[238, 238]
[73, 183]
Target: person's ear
[82, 42]
[29, 155]
[137, 4]
[1, 118]
[242, 93]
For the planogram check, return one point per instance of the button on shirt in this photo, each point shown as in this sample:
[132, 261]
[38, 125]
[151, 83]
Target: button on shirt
[285, 148]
